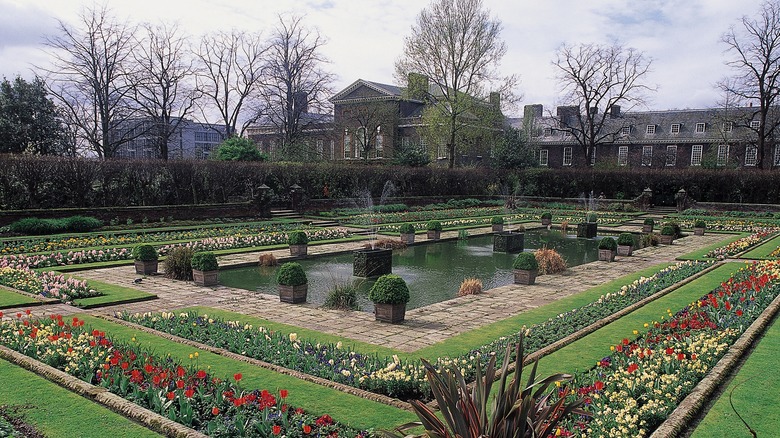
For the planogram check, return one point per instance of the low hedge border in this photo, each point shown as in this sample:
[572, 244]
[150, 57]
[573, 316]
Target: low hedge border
[680, 419]
[225, 353]
[152, 420]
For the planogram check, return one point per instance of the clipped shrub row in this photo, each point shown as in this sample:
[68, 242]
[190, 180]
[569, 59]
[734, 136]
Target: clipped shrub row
[38, 227]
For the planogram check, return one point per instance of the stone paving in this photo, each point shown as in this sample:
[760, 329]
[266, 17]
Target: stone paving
[423, 326]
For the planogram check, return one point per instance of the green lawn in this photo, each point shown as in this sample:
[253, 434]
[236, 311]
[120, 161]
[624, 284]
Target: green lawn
[762, 251]
[112, 294]
[10, 298]
[346, 408]
[59, 413]
[754, 394]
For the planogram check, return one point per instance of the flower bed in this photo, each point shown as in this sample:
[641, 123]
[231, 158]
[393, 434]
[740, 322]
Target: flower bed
[112, 254]
[740, 245]
[46, 284]
[186, 394]
[392, 376]
[632, 391]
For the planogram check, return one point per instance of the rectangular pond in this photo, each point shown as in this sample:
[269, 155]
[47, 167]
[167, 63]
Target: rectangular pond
[433, 271]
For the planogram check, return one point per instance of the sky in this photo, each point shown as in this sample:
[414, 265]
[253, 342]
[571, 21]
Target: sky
[365, 37]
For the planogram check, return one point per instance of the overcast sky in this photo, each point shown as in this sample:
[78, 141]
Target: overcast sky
[365, 37]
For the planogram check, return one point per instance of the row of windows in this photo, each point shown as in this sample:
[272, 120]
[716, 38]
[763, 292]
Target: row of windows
[699, 128]
[751, 155]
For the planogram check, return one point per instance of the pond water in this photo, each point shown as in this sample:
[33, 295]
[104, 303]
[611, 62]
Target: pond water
[432, 271]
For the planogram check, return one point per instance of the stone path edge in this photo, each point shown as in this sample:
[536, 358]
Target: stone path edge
[690, 406]
[126, 408]
[396, 403]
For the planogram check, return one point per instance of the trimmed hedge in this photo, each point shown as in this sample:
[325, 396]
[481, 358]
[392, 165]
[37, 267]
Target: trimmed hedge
[38, 227]
[144, 252]
[526, 261]
[608, 243]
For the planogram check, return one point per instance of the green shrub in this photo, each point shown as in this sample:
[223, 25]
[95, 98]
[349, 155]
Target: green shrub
[699, 224]
[144, 252]
[546, 215]
[625, 239]
[667, 230]
[238, 149]
[291, 274]
[82, 224]
[497, 220]
[463, 234]
[407, 229]
[204, 261]
[40, 227]
[608, 243]
[389, 289]
[297, 237]
[649, 239]
[342, 297]
[178, 264]
[676, 231]
[591, 217]
[433, 226]
[649, 221]
[526, 261]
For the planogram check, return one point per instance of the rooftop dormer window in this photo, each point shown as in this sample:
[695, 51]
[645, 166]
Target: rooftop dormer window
[650, 130]
[675, 128]
[700, 127]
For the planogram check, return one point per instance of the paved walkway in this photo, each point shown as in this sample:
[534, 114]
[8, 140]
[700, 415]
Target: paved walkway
[423, 326]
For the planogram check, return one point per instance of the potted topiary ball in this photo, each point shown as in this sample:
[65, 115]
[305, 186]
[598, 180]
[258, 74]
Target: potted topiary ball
[698, 227]
[498, 223]
[625, 244]
[293, 284]
[407, 233]
[667, 235]
[434, 230]
[647, 225]
[146, 260]
[205, 269]
[299, 243]
[525, 268]
[546, 218]
[390, 295]
[607, 249]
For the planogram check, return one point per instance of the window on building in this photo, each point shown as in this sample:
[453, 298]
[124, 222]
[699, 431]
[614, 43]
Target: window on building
[320, 148]
[626, 130]
[696, 154]
[751, 155]
[544, 155]
[647, 155]
[723, 154]
[671, 155]
[441, 151]
[755, 124]
[567, 156]
[650, 129]
[593, 156]
[423, 144]
[776, 161]
[379, 145]
[547, 132]
[728, 126]
[622, 155]
[406, 142]
[700, 127]
[331, 152]
[347, 145]
[675, 128]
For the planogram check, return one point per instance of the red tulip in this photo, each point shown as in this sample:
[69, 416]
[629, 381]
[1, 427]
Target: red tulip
[237, 376]
[283, 393]
[276, 429]
[200, 374]
[306, 429]
[180, 371]
[171, 395]
[189, 393]
[180, 384]
[633, 367]
[215, 411]
[599, 385]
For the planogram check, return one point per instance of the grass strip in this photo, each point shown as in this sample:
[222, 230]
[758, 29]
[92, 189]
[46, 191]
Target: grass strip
[762, 251]
[9, 298]
[346, 408]
[581, 355]
[112, 294]
[752, 391]
[57, 412]
[701, 253]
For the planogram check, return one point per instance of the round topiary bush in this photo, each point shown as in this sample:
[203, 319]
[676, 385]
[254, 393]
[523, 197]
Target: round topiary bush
[389, 289]
[667, 230]
[626, 239]
[676, 231]
[526, 261]
[546, 215]
[608, 243]
[497, 220]
[649, 221]
[204, 261]
[297, 237]
[433, 226]
[144, 252]
[291, 274]
[699, 224]
[407, 229]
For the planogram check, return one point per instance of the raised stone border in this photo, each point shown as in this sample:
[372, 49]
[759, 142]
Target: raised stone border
[152, 420]
[681, 417]
[276, 368]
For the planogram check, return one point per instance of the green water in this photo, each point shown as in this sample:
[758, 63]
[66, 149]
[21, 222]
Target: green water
[432, 271]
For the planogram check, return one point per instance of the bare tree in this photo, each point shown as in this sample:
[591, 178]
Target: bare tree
[163, 82]
[456, 44]
[756, 62]
[371, 125]
[597, 81]
[90, 79]
[294, 81]
[230, 71]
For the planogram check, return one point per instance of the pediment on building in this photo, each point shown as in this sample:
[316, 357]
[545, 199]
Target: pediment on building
[362, 90]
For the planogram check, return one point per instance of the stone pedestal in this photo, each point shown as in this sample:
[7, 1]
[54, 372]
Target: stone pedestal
[293, 294]
[508, 241]
[523, 276]
[587, 230]
[372, 262]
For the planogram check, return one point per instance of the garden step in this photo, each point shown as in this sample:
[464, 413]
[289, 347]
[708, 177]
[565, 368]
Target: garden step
[285, 214]
[323, 224]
